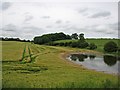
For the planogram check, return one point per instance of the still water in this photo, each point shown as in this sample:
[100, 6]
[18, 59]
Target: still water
[106, 63]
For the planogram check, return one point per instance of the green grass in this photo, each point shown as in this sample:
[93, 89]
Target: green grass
[12, 50]
[49, 69]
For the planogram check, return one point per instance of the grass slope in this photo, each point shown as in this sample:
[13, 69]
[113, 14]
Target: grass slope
[49, 69]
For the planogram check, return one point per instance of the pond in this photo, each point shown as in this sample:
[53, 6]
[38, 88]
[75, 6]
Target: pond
[105, 63]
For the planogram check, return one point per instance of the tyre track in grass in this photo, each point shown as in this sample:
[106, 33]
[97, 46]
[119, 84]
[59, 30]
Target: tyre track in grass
[27, 55]
[23, 54]
[22, 66]
[30, 55]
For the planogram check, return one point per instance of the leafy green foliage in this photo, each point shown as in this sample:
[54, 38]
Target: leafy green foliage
[74, 44]
[74, 36]
[50, 37]
[110, 47]
[82, 44]
[81, 36]
[92, 46]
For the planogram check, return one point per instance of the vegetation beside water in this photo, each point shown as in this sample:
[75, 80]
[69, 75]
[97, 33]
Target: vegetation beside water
[49, 69]
[98, 42]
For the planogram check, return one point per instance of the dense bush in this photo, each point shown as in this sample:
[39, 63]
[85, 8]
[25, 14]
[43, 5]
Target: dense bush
[92, 46]
[110, 47]
[77, 44]
[119, 49]
[67, 43]
[83, 44]
[61, 44]
[74, 44]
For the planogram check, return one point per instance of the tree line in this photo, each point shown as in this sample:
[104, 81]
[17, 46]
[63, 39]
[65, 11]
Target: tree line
[13, 39]
[49, 39]
[46, 38]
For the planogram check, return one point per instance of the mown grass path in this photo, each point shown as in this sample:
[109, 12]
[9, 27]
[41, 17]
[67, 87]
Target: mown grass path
[48, 69]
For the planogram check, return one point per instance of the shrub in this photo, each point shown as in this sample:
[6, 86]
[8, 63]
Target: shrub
[69, 43]
[74, 44]
[61, 44]
[118, 49]
[66, 44]
[83, 44]
[110, 47]
[92, 46]
[50, 43]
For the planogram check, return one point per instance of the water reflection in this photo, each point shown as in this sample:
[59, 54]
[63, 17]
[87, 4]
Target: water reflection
[92, 57]
[110, 60]
[104, 63]
[79, 57]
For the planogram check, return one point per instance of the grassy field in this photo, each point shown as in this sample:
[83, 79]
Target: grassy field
[27, 65]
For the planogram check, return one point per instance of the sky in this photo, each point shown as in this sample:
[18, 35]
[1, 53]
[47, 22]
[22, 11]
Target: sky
[26, 20]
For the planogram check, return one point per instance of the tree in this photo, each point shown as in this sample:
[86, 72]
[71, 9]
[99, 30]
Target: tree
[110, 47]
[81, 36]
[74, 36]
[68, 37]
[81, 42]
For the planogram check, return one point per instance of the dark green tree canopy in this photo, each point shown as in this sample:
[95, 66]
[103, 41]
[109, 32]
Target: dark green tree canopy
[74, 36]
[50, 37]
[110, 47]
[81, 36]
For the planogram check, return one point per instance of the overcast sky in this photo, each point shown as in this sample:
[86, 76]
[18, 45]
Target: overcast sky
[29, 19]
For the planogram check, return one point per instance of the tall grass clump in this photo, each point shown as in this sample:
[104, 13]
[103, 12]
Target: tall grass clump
[23, 54]
[30, 55]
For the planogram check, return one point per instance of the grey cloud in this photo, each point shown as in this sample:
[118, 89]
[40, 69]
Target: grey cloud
[100, 30]
[110, 29]
[89, 29]
[12, 13]
[30, 31]
[28, 18]
[109, 32]
[32, 28]
[6, 5]
[113, 26]
[72, 28]
[58, 21]
[83, 10]
[10, 28]
[27, 13]
[100, 14]
[96, 28]
[45, 17]
[48, 26]
[67, 21]
[118, 25]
